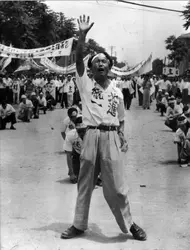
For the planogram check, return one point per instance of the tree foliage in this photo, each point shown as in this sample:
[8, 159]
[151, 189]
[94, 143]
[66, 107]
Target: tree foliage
[157, 66]
[186, 14]
[31, 24]
[178, 49]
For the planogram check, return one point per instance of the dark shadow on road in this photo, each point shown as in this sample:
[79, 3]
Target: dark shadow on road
[93, 234]
[59, 152]
[166, 130]
[168, 162]
[64, 181]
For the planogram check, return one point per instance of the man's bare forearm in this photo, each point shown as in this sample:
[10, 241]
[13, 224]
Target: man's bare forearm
[79, 54]
[121, 126]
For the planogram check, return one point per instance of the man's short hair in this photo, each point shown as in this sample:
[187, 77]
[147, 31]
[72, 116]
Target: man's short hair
[107, 56]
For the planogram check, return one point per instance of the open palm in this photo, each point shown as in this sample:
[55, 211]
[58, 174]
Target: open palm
[84, 24]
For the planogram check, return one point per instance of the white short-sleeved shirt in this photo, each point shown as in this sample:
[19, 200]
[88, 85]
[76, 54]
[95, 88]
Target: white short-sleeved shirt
[180, 135]
[100, 106]
[7, 111]
[66, 124]
[73, 141]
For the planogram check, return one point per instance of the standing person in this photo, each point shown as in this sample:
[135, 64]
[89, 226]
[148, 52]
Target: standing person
[16, 90]
[2, 90]
[139, 87]
[103, 114]
[146, 92]
[8, 85]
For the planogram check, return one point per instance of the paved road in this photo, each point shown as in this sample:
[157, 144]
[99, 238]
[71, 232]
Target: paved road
[37, 200]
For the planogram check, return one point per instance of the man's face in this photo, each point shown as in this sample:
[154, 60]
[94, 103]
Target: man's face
[24, 100]
[172, 105]
[100, 65]
[178, 100]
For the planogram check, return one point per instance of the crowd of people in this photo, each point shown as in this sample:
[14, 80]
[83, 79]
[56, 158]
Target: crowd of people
[34, 93]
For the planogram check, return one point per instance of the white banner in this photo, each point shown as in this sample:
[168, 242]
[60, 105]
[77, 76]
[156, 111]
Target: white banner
[58, 69]
[138, 69]
[59, 49]
[146, 67]
[4, 63]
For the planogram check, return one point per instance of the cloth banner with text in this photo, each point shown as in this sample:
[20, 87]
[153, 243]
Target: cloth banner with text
[59, 49]
[53, 67]
[141, 68]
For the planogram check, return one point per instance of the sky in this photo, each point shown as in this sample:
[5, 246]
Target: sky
[134, 32]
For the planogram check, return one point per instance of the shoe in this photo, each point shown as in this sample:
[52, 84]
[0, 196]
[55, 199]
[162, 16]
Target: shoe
[12, 128]
[71, 232]
[184, 165]
[36, 117]
[138, 233]
[73, 179]
[99, 182]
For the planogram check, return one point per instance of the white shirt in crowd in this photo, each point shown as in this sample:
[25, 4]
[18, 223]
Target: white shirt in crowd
[16, 86]
[42, 101]
[7, 111]
[7, 82]
[100, 106]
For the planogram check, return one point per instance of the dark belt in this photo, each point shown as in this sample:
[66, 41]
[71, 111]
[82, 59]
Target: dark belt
[104, 127]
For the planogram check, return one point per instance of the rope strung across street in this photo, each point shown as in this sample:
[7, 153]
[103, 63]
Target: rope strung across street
[149, 6]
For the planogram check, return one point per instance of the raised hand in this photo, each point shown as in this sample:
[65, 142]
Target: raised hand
[84, 24]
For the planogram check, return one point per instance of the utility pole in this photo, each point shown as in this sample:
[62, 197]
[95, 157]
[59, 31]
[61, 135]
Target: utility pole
[112, 47]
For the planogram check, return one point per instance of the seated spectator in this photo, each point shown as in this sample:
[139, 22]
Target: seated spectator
[51, 103]
[179, 105]
[182, 139]
[35, 102]
[25, 109]
[164, 103]
[186, 112]
[74, 140]
[7, 114]
[172, 114]
[42, 102]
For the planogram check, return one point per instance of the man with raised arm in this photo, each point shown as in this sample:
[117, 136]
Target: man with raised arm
[103, 115]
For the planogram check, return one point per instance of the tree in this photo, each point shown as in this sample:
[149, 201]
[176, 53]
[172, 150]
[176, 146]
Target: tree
[92, 46]
[157, 66]
[186, 14]
[178, 49]
[31, 24]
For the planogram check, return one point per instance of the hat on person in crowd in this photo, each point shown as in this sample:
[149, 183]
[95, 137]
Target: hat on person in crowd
[23, 97]
[33, 93]
[41, 93]
[159, 90]
[181, 120]
[72, 112]
[166, 93]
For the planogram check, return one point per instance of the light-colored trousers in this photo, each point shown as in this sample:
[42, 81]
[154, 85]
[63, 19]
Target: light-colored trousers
[146, 98]
[70, 99]
[101, 151]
